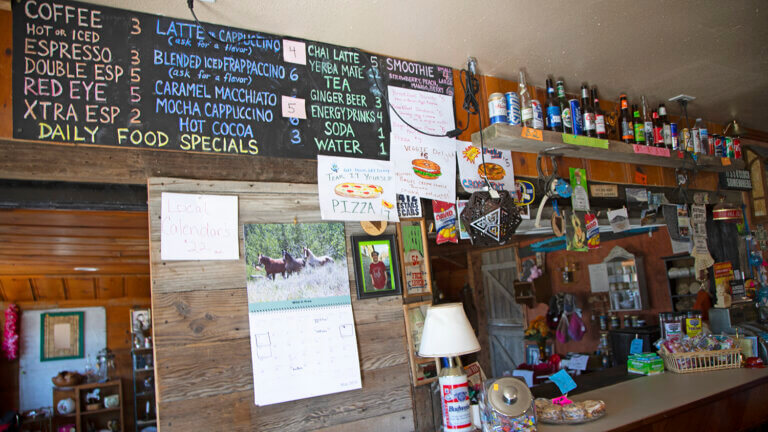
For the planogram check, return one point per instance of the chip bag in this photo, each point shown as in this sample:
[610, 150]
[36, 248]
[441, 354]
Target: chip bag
[445, 222]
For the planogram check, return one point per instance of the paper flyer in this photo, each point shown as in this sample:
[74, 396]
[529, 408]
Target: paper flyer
[619, 220]
[352, 189]
[198, 227]
[497, 167]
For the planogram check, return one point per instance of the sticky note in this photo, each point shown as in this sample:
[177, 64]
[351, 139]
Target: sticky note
[641, 178]
[532, 133]
[562, 400]
[495, 387]
[585, 141]
[725, 161]
[294, 107]
[636, 347]
[563, 381]
[294, 52]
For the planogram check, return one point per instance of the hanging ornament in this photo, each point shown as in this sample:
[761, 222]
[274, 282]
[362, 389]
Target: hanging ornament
[11, 332]
[491, 221]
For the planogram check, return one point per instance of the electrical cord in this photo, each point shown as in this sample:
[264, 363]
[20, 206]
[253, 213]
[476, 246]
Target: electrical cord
[191, 6]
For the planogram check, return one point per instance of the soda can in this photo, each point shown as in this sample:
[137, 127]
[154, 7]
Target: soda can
[729, 152]
[686, 145]
[696, 141]
[513, 108]
[538, 114]
[711, 146]
[576, 117]
[497, 108]
[737, 148]
[675, 138]
[719, 145]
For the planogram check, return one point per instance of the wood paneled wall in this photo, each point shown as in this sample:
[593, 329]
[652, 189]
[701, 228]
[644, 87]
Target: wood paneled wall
[118, 340]
[202, 349]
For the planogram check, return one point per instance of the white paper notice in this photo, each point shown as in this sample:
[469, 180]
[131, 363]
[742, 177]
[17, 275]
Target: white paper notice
[352, 189]
[598, 277]
[424, 165]
[498, 168]
[619, 220]
[198, 227]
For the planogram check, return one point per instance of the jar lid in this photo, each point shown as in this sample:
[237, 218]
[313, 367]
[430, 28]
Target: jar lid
[509, 396]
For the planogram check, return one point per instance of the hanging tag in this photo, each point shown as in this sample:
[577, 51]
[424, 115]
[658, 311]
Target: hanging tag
[563, 381]
[532, 133]
[636, 347]
[562, 400]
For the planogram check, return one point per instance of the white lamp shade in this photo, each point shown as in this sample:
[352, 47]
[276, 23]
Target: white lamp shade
[447, 332]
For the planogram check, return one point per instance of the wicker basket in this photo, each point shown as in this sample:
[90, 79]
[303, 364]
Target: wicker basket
[701, 361]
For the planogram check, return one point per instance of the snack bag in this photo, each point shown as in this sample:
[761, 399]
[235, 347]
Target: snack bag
[593, 231]
[445, 222]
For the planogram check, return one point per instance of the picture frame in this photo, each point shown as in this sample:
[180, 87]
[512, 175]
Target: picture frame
[414, 256]
[377, 267]
[423, 370]
[141, 320]
[62, 336]
[532, 355]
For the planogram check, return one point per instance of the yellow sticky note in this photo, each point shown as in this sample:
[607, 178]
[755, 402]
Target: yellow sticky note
[495, 387]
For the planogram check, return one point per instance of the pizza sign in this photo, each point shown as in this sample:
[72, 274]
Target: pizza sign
[355, 189]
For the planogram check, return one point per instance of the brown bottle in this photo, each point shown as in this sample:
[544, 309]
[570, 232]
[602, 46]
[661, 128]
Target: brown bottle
[625, 130]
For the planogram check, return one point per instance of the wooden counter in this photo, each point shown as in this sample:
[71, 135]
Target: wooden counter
[731, 400]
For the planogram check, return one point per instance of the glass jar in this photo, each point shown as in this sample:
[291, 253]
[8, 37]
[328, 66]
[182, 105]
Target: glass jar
[614, 322]
[693, 323]
[672, 325]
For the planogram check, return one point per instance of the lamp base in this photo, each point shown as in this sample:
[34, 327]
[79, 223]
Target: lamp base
[454, 398]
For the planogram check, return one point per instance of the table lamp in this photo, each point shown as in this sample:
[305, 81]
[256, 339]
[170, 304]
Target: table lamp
[447, 333]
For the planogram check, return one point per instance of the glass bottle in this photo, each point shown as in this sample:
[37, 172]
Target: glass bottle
[526, 109]
[627, 135]
[599, 115]
[565, 108]
[554, 118]
[587, 112]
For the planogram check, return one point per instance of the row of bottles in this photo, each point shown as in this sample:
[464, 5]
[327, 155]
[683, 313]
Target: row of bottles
[635, 124]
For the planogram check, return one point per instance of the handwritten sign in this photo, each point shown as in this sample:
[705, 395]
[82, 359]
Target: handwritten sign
[294, 52]
[355, 189]
[636, 346]
[494, 164]
[578, 362]
[408, 206]
[585, 141]
[649, 150]
[294, 107]
[563, 381]
[198, 227]
[532, 133]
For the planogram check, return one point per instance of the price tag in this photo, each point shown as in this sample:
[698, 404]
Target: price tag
[680, 154]
[725, 161]
[563, 381]
[562, 400]
[650, 150]
[532, 133]
[294, 107]
[294, 52]
[641, 178]
[636, 347]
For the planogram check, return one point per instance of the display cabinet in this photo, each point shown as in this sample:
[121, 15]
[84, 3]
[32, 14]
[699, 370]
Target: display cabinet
[626, 281]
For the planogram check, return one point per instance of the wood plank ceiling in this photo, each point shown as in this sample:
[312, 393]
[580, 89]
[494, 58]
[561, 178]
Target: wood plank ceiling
[54, 255]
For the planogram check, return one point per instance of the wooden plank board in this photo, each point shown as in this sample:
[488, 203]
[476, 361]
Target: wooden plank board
[200, 311]
[109, 287]
[49, 289]
[504, 136]
[80, 288]
[384, 391]
[16, 289]
[74, 218]
[397, 421]
[137, 286]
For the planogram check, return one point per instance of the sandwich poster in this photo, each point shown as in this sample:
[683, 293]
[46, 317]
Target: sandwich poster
[497, 168]
[352, 189]
[424, 166]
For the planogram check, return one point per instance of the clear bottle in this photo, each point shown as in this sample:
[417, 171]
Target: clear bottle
[667, 130]
[526, 109]
[696, 135]
[648, 124]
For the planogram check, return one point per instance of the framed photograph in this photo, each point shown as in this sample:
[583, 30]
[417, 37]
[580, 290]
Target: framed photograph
[532, 355]
[62, 336]
[141, 320]
[376, 266]
[417, 276]
[423, 370]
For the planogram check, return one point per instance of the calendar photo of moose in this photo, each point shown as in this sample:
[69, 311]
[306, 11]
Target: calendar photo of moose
[295, 261]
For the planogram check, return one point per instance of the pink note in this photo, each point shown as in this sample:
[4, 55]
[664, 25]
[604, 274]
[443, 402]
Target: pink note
[655, 151]
[562, 400]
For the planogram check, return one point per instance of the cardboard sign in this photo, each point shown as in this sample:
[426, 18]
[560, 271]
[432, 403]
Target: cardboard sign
[736, 179]
[497, 167]
[604, 191]
[198, 227]
[408, 206]
[580, 195]
[355, 189]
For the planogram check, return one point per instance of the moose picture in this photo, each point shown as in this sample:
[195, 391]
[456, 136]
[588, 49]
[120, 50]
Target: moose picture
[295, 261]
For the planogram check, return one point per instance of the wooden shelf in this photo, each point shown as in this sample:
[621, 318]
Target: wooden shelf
[507, 137]
[99, 411]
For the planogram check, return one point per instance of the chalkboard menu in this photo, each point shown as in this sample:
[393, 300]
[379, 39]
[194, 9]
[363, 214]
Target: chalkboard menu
[89, 74]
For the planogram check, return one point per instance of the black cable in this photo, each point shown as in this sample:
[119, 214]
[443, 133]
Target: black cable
[191, 6]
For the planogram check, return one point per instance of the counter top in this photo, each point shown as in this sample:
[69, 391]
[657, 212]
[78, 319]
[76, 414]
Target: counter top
[639, 401]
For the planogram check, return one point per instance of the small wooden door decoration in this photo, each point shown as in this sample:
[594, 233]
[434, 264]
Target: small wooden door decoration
[414, 256]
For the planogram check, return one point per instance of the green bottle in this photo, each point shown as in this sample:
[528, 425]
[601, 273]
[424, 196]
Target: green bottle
[639, 126]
